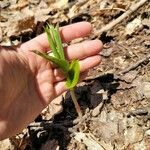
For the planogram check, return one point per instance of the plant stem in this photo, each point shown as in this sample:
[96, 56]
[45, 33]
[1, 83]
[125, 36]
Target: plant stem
[77, 106]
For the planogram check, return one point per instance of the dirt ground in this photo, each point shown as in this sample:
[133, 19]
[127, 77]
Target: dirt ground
[115, 96]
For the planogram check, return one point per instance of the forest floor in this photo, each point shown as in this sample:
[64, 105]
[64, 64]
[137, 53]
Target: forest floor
[115, 96]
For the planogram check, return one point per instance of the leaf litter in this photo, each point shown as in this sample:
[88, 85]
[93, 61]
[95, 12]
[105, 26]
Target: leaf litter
[115, 97]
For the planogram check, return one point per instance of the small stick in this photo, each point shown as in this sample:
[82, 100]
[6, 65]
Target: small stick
[146, 58]
[139, 111]
[133, 8]
[113, 8]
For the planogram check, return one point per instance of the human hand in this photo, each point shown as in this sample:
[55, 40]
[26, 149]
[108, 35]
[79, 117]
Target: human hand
[28, 83]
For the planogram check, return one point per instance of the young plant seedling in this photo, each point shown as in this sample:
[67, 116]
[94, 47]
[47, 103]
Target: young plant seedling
[71, 69]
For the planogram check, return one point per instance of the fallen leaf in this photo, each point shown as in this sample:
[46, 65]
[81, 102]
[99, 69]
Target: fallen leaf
[146, 22]
[24, 22]
[88, 140]
[133, 134]
[130, 76]
[133, 26]
[60, 4]
[55, 107]
[6, 145]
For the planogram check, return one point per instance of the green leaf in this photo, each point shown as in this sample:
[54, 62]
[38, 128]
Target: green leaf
[50, 35]
[71, 70]
[63, 64]
[60, 49]
[73, 74]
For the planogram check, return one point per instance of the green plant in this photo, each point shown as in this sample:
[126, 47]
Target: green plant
[71, 69]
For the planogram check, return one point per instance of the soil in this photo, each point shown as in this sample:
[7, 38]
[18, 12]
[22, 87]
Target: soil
[115, 96]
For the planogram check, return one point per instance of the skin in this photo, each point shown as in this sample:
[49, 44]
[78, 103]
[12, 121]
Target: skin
[28, 83]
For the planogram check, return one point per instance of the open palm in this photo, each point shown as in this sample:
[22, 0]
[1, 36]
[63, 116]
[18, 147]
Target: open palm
[28, 83]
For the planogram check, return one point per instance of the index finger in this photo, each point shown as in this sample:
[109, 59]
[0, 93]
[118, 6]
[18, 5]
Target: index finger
[68, 33]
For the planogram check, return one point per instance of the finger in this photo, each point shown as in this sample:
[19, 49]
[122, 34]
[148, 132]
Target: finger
[83, 50]
[89, 63]
[60, 87]
[67, 33]
[74, 31]
[85, 65]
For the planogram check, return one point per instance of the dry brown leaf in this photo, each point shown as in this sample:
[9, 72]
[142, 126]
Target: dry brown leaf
[55, 107]
[133, 26]
[6, 145]
[24, 22]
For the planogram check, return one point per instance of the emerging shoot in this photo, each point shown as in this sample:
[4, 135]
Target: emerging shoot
[71, 69]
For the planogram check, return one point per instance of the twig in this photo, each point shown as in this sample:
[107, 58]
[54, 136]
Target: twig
[146, 58]
[116, 76]
[139, 111]
[133, 8]
[50, 124]
[114, 8]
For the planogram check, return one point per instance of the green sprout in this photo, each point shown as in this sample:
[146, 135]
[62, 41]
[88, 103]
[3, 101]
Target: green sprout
[71, 69]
